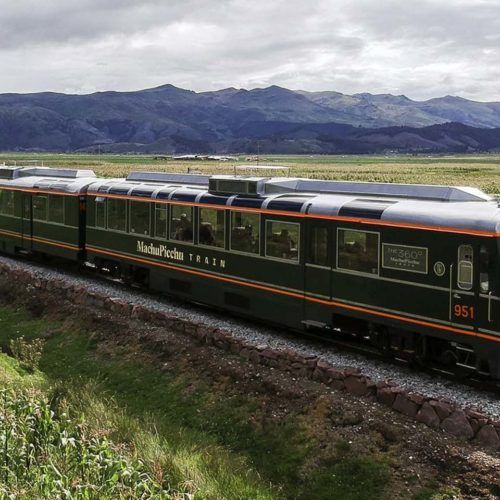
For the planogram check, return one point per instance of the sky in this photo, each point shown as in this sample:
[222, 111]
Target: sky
[422, 49]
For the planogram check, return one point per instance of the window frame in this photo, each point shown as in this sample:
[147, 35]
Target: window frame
[258, 253]
[44, 196]
[121, 231]
[63, 199]
[281, 259]
[470, 263]
[353, 271]
[12, 195]
[129, 222]
[158, 207]
[484, 269]
[193, 223]
[310, 229]
[216, 247]
[101, 201]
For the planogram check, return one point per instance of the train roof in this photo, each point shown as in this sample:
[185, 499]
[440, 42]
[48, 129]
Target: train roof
[47, 179]
[441, 206]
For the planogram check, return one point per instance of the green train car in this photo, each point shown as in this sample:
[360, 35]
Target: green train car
[414, 269]
[42, 210]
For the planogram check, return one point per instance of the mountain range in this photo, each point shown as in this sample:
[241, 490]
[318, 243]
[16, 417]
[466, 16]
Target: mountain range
[168, 119]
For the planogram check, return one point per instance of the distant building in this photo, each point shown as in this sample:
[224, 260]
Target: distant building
[223, 158]
[189, 157]
[205, 157]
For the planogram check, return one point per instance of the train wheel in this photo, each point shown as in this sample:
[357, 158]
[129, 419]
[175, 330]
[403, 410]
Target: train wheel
[449, 358]
[421, 350]
[380, 338]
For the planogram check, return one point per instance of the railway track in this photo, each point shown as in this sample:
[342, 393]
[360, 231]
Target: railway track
[352, 343]
[353, 347]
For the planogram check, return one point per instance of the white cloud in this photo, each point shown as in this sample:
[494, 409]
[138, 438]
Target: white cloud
[423, 48]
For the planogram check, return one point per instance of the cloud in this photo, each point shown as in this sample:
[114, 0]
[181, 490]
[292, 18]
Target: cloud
[421, 48]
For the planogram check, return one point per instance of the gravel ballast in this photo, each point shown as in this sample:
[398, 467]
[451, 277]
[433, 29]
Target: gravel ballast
[418, 382]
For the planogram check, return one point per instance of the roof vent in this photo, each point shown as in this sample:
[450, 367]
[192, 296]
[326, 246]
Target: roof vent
[166, 178]
[55, 172]
[227, 184]
[409, 191]
[9, 172]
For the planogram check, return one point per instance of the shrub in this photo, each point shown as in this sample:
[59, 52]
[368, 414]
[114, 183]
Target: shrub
[46, 455]
[27, 353]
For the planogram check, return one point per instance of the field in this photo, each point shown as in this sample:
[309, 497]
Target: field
[94, 419]
[482, 171]
[163, 427]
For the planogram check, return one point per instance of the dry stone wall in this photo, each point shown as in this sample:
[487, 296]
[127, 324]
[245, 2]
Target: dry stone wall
[464, 423]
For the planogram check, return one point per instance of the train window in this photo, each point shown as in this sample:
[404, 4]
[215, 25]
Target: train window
[358, 251]
[56, 209]
[484, 282]
[139, 218]
[245, 232]
[484, 269]
[181, 223]
[160, 220]
[27, 202]
[318, 246]
[40, 208]
[100, 212]
[282, 240]
[6, 202]
[465, 267]
[211, 227]
[117, 214]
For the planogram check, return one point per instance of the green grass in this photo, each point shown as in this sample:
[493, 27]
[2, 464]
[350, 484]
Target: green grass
[482, 171]
[443, 494]
[44, 454]
[14, 376]
[185, 434]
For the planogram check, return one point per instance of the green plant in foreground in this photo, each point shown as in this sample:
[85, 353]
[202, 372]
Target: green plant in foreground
[28, 354]
[44, 454]
[199, 441]
[448, 493]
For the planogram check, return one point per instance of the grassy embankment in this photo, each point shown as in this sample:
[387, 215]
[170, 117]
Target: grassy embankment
[120, 426]
[482, 171]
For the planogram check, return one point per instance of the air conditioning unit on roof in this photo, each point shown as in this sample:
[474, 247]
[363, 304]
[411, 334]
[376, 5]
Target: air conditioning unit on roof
[230, 185]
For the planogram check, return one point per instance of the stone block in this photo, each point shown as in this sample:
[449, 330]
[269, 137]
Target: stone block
[487, 436]
[403, 404]
[458, 425]
[356, 385]
[428, 416]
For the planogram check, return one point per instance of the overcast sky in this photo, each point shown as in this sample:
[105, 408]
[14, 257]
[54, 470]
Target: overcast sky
[420, 48]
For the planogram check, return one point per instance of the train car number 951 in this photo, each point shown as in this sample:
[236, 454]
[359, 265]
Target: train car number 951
[463, 311]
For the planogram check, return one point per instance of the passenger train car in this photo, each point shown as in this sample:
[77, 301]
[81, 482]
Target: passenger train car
[412, 268]
[43, 210]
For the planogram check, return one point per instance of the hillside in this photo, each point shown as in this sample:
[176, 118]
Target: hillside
[167, 119]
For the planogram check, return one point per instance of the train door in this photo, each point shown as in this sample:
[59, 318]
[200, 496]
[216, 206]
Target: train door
[317, 274]
[489, 306]
[463, 291]
[27, 222]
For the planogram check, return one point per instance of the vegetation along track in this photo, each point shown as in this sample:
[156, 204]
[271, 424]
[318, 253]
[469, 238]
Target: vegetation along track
[357, 343]
[354, 342]
[404, 390]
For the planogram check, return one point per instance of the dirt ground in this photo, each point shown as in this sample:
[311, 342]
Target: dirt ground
[418, 456]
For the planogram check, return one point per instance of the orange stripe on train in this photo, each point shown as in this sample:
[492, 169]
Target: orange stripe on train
[295, 295]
